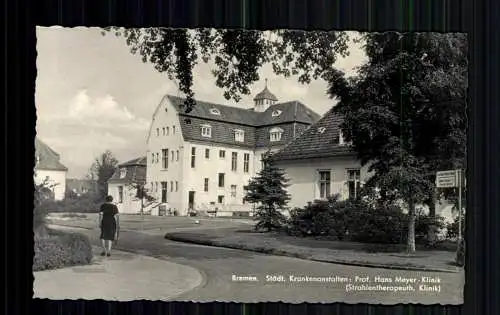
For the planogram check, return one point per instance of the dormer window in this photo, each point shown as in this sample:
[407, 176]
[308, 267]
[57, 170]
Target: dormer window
[321, 129]
[275, 134]
[214, 111]
[123, 172]
[342, 140]
[276, 113]
[206, 131]
[239, 135]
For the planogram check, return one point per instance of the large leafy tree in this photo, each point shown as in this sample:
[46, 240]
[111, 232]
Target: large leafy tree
[236, 55]
[102, 169]
[268, 191]
[405, 112]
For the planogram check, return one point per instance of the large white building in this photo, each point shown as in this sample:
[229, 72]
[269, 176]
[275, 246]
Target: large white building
[123, 185]
[201, 160]
[50, 170]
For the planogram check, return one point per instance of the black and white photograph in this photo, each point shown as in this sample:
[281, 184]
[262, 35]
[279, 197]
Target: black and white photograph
[238, 165]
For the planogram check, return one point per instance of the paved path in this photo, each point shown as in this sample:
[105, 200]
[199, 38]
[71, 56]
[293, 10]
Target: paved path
[219, 265]
[123, 276]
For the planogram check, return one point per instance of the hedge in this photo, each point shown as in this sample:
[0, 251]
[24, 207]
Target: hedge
[61, 249]
[355, 220]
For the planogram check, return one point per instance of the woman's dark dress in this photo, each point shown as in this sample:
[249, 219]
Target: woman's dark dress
[108, 223]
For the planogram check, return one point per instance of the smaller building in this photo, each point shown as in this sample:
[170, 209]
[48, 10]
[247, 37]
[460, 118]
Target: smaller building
[319, 163]
[50, 170]
[124, 183]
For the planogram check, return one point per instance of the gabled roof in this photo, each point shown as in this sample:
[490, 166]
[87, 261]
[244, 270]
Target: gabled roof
[319, 141]
[48, 159]
[141, 161]
[293, 117]
[135, 172]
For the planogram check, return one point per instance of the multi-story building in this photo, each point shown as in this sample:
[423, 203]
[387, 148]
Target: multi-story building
[201, 160]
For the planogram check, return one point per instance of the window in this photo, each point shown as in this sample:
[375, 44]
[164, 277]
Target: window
[177, 155]
[222, 154]
[176, 186]
[324, 184]
[239, 135]
[156, 186]
[123, 172]
[207, 153]
[214, 111]
[275, 134]
[163, 192]
[233, 191]
[193, 157]
[163, 130]
[321, 129]
[246, 162]
[157, 157]
[206, 131]
[205, 185]
[172, 155]
[276, 113]
[341, 138]
[152, 158]
[152, 187]
[168, 130]
[173, 130]
[221, 180]
[171, 186]
[164, 158]
[120, 194]
[262, 164]
[220, 199]
[353, 183]
[234, 161]
[157, 131]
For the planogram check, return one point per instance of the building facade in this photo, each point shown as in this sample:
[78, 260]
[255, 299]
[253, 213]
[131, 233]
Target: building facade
[201, 160]
[50, 170]
[319, 163]
[123, 185]
[81, 187]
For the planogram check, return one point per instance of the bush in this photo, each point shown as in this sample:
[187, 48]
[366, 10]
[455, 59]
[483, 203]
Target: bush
[357, 220]
[460, 257]
[61, 250]
[452, 228]
[87, 203]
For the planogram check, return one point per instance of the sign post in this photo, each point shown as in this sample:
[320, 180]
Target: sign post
[452, 179]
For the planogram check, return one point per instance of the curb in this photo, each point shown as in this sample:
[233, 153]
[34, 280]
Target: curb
[272, 251]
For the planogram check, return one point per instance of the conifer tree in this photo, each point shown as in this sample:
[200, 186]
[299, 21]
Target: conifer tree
[268, 191]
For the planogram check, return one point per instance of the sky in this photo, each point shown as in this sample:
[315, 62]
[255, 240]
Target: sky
[93, 95]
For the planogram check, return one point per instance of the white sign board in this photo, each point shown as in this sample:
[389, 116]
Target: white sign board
[446, 179]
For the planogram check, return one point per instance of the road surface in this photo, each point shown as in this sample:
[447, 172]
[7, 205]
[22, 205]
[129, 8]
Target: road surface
[240, 276]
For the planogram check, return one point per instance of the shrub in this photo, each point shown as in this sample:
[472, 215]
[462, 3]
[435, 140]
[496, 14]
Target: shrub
[61, 249]
[359, 221]
[452, 228]
[460, 257]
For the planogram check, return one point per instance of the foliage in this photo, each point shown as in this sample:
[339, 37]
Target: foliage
[405, 111]
[82, 204]
[60, 250]
[102, 170]
[42, 194]
[268, 191]
[235, 54]
[452, 227]
[460, 257]
[357, 220]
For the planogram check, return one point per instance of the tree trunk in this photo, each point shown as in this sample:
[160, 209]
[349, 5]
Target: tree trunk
[432, 235]
[411, 227]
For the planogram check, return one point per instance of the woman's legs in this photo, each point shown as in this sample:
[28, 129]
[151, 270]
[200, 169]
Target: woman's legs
[108, 246]
[103, 243]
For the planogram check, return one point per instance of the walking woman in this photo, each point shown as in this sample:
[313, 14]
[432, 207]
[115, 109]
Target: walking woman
[109, 224]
